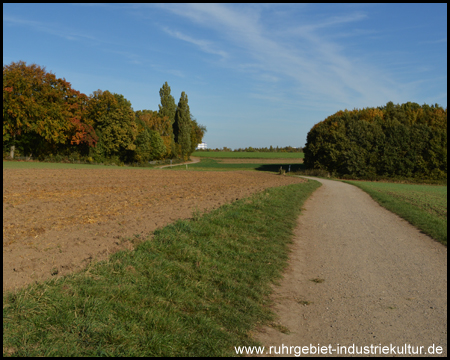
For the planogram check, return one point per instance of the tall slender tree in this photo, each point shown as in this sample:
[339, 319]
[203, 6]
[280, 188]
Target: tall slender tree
[182, 126]
[168, 108]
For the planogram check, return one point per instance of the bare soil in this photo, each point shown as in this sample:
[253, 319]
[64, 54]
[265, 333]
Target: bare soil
[259, 161]
[359, 274]
[58, 221]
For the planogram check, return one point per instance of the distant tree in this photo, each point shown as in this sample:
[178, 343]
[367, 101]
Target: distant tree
[182, 126]
[41, 111]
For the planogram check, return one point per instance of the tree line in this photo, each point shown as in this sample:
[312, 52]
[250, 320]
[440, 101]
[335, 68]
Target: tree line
[286, 149]
[44, 117]
[393, 141]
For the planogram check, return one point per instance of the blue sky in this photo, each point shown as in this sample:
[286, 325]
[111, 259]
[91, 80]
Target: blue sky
[255, 75]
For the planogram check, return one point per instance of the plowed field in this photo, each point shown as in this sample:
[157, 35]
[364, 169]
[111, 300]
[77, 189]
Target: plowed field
[57, 221]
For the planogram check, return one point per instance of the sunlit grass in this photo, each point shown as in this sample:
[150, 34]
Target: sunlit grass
[424, 206]
[214, 165]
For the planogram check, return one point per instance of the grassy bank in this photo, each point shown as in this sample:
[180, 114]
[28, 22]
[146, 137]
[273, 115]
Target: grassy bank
[424, 206]
[196, 288]
[247, 155]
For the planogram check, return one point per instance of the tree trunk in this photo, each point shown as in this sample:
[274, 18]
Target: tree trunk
[13, 147]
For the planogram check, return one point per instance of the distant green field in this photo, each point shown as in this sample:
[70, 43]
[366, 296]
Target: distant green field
[45, 165]
[248, 155]
[424, 206]
[214, 165]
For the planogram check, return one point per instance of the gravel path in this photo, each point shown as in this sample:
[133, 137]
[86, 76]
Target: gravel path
[193, 161]
[384, 282]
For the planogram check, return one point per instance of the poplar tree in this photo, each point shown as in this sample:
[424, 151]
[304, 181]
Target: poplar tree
[182, 126]
[168, 108]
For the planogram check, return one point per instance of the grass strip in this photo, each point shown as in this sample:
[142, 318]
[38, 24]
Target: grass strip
[196, 288]
[424, 206]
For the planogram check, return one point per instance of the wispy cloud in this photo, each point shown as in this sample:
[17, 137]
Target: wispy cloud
[318, 65]
[53, 29]
[66, 33]
[204, 45]
[438, 41]
[330, 22]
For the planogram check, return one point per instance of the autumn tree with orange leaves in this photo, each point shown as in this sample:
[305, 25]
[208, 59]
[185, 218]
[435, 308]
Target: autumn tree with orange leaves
[41, 112]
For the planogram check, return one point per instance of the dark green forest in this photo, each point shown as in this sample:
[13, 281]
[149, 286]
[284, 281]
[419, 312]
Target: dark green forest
[44, 118]
[392, 141]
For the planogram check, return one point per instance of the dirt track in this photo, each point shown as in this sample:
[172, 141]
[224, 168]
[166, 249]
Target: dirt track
[385, 282]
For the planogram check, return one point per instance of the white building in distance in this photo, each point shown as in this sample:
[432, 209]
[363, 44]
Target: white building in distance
[202, 146]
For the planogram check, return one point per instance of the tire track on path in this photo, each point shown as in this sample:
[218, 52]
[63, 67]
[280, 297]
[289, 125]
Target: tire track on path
[385, 282]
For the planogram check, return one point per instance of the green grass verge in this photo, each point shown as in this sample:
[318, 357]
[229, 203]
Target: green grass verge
[424, 206]
[247, 155]
[197, 288]
[214, 165]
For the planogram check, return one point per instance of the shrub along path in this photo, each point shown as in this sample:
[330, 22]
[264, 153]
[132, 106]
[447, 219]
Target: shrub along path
[359, 274]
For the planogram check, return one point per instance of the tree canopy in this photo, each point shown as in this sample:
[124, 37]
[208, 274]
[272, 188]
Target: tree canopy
[39, 108]
[114, 122]
[405, 140]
